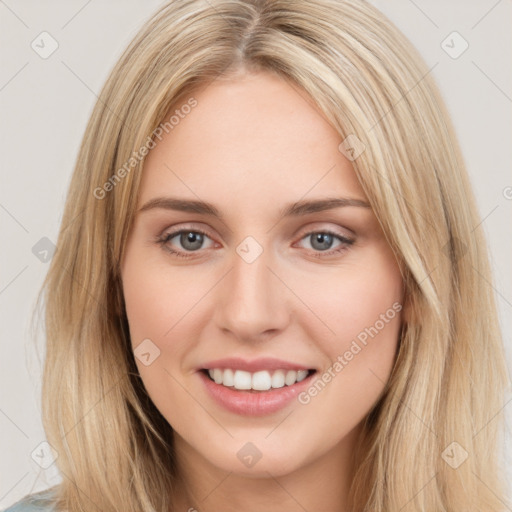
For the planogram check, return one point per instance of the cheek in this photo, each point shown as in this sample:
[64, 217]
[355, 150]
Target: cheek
[362, 305]
[156, 299]
[157, 305]
[363, 294]
[161, 307]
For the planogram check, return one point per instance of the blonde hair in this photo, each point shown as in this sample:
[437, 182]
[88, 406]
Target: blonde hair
[115, 450]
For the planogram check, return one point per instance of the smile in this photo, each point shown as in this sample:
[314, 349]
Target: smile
[257, 381]
[255, 394]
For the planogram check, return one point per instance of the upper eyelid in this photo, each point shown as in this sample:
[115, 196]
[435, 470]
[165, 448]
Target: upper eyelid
[174, 232]
[305, 231]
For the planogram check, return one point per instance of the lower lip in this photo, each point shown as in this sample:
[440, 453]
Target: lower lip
[258, 403]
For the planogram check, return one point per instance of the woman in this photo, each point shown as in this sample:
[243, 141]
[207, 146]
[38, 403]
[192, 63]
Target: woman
[269, 291]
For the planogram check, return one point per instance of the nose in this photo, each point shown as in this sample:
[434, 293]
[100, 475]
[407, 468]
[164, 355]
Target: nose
[252, 303]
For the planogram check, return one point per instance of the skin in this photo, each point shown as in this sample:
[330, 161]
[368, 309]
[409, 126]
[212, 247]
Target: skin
[251, 146]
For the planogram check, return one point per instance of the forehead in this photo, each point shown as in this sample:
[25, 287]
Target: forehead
[248, 138]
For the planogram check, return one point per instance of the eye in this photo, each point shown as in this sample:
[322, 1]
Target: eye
[184, 242]
[322, 241]
[190, 240]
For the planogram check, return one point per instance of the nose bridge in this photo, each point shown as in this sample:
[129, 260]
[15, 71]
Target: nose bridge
[252, 301]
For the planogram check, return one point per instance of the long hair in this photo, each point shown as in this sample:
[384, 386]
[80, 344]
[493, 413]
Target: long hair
[431, 442]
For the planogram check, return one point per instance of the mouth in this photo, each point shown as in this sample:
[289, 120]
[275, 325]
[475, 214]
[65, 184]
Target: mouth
[256, 382]
[255, 393]
[255, 387]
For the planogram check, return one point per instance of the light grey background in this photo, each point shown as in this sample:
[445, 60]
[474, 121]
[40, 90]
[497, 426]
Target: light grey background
[45, 104]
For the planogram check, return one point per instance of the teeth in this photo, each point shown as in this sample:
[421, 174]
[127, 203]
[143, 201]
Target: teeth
[259, 381]
[242, 380]
[301, 375]
[291, 378]
[217, 376]
[278, 379]
[228, 378]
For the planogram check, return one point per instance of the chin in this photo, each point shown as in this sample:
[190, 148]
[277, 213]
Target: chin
[247, 460]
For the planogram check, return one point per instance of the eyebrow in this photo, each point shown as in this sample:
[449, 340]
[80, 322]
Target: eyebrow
[296, 209]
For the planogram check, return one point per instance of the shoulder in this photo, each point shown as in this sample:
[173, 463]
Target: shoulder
[42, 501]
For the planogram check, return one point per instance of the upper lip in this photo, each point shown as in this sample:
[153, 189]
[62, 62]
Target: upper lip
[254, 365]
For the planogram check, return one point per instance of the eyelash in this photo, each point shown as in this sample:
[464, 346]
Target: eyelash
[164, 239]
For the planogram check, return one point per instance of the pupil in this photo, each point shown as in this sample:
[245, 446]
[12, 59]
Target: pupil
[191, 240]
[324, 240]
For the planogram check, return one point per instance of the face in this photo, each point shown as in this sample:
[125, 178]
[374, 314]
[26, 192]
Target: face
[266, 283]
